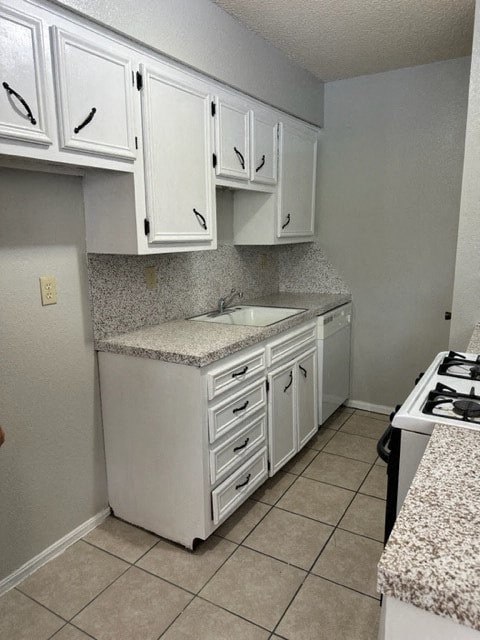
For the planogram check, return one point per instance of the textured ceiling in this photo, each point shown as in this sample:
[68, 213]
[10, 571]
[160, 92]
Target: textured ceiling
[344, 38]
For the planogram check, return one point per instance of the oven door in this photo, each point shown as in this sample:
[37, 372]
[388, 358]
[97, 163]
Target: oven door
[402, 450]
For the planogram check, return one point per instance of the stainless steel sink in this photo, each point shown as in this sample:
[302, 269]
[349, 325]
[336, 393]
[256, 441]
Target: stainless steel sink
[249, 315]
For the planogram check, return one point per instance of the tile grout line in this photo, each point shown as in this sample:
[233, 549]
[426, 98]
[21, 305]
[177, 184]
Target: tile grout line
[309, 572]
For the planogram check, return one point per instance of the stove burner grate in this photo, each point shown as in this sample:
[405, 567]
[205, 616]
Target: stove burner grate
[456, 365]
[446, 402]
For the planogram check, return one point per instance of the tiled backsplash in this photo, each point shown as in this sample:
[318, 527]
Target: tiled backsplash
[192, 283]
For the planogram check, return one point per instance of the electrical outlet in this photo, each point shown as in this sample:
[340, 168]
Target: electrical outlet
[150, 277]
[263, 260]
[48, 289]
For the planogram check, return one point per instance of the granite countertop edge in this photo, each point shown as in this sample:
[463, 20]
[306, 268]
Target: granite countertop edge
[432, 559]
[201, 343]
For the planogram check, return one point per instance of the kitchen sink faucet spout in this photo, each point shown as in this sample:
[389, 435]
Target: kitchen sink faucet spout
[225, 302]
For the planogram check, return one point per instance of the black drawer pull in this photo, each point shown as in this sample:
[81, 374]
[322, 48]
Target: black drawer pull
[240, 373]
[304, 371]
[242, 446]
[242, 484]
[261, 164]
[289, 382]
[87, 120]
[287, 222]
[12, 92]
[200, 219]
[241, 159]
[242, 408]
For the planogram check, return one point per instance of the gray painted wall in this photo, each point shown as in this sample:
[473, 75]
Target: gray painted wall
[389, 191]
[466, 292]
[203, 36]
[52, 475]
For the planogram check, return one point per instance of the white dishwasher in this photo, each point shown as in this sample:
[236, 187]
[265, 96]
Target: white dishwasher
[333, 342]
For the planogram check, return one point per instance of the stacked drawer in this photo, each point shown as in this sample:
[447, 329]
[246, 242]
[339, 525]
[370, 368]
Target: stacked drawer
[237, 430]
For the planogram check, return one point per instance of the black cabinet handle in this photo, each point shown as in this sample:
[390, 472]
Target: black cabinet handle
[242, 446]
[289, 382]
[200, 219]
[240, 157]
[242, 484]
[240, 373]
[242, 408]
[261, 164]
[87, 120]
[304, 371]
[12, 92]
[287, 222]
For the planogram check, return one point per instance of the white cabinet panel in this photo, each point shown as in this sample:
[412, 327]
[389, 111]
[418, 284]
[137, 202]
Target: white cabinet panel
[298, 166]
[94, 89]
[281, 416]
[231, 493]
[179, 177]
[232, 139]
[307, 397]
[23, 114]
[264, 147]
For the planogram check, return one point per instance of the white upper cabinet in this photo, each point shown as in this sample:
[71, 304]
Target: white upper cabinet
[263, 146]
[94, 96]
[23, 111]
[232, 138]
[298, 167]
[178, 152]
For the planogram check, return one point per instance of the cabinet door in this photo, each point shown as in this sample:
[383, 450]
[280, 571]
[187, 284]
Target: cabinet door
[179, 178]
[307, 424]
[23, 102]
[263, 147]
[94, 96]
[281, 416]
[298, 166]
[232, 139]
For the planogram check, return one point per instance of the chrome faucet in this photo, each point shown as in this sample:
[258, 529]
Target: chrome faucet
[223, 303]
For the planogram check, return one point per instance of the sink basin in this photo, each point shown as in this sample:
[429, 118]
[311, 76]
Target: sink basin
[248, 315]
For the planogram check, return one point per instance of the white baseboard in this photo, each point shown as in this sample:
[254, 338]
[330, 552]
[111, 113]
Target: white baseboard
[51, 552]
[368, 406]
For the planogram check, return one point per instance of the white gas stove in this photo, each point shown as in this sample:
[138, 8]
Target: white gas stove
[447, 393]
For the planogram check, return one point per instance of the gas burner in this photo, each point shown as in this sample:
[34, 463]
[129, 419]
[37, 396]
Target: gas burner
[456, 365]
[467, 408]
[446, 402]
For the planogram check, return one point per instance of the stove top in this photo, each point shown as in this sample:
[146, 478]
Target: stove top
[447, 393]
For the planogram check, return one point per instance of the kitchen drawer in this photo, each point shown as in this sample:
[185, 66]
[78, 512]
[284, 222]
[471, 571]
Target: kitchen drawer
[227, 415]
[225, 457]
[291, 344]
[237, 487]
[235, 372]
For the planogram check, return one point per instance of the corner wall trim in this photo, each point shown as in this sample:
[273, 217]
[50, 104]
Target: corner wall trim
[52, 552]
[368, 406]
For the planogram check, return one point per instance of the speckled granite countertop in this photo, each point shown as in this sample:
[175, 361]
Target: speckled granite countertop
[474, 344]
[432, 559]
[200, 343]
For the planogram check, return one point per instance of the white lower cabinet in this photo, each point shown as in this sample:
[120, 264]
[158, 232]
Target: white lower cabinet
[281, 416]
[185, 446]
[292, 404]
